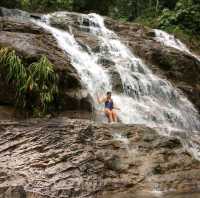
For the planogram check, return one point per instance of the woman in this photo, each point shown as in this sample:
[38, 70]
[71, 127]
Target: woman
[109, 107]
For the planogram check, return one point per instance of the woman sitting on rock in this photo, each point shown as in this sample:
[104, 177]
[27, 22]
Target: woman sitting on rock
[109, 107]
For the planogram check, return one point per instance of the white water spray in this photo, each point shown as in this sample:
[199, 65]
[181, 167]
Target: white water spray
[170, 41]
[146, 99]
[93, 76]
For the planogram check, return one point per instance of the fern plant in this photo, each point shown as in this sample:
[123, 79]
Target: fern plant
[3, 55]
[44, 80]
[38, 79]
[16, 70]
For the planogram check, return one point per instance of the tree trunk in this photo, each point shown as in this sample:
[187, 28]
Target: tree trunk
[150, 3]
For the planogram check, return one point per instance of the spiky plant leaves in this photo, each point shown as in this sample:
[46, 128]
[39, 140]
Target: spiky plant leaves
[16, 70]
[39, 78]
[15, 73]
[3, 55]
[45, 81]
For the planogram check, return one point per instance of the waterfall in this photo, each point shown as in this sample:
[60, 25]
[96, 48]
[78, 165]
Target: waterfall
[146, 99]
[93, 76]
[170, 41]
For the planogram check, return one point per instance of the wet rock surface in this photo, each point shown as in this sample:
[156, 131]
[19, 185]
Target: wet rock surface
[31, 42]
[65, 157]
[178, 67]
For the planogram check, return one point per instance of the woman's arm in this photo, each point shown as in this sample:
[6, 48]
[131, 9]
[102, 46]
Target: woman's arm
[100, 100]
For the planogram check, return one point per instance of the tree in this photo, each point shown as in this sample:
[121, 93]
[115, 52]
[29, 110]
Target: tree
[10, 3]
[101, 7]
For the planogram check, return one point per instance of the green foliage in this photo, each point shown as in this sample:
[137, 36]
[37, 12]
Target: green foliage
[10, 3]
[149, 18]
[43, 80]
[36, 85]
[122, 9]
[180, 17]
[167, 18]
[16, 72]
[101, 7]
[45, 5]
[168, 4]
[182, 12]
[3, 55]
[186, 15]
[25, 4]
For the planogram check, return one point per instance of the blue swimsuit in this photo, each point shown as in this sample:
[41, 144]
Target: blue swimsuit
[109, 104]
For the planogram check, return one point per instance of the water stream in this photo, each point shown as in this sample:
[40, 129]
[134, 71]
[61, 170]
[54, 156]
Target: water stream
[170, 41]
[146, 99]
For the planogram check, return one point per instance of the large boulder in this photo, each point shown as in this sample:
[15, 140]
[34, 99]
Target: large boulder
[79, 158]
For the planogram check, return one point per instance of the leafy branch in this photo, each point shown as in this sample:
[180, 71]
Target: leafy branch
[38, 81]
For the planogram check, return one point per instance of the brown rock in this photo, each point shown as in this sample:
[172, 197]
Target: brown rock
[77, 158]
[30, 42]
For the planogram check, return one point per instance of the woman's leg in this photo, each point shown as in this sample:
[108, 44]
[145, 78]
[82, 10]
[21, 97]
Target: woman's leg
[114, 116]
[108, 113]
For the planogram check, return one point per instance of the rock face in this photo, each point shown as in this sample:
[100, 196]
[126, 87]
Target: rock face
[78, 158]
[30, 42]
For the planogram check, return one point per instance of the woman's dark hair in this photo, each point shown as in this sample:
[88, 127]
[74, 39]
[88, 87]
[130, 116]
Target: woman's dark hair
[108, 93]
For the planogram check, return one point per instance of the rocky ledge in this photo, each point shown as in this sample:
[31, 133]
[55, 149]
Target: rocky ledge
[65, 157]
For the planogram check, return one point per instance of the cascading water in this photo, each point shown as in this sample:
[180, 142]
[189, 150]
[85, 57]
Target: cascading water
[170, 41]
[93, 76]
[146, 99]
